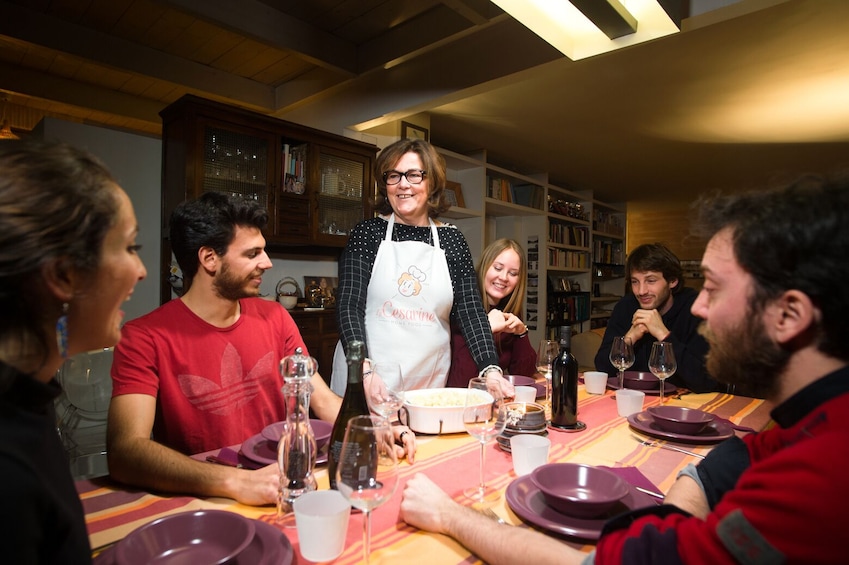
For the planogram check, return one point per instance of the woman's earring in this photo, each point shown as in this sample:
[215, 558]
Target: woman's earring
[62, 332]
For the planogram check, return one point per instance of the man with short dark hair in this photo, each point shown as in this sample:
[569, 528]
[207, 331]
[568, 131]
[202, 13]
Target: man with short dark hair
[775, 306]
[658, 309]
[201, 372]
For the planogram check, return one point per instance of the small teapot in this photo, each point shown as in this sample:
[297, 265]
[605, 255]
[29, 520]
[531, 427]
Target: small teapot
[287, 298]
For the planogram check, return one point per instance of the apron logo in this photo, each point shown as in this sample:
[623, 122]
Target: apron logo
[410, 282]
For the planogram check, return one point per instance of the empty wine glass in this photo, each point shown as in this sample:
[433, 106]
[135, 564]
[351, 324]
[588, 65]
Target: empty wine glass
[622, 356]
[367, 474]
[484, 417]
[385, 391]
[546, 354]
[662, 363]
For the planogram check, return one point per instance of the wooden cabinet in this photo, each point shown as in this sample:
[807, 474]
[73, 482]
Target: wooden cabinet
[208, 146]
[320, 334]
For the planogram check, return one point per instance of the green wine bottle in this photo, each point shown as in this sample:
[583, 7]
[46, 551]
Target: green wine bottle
[353, 404]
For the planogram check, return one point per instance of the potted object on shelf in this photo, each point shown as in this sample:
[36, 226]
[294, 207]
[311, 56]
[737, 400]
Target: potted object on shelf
[288, 297]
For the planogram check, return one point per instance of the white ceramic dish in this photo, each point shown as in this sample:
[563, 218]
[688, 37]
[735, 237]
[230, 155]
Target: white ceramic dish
[424, 418]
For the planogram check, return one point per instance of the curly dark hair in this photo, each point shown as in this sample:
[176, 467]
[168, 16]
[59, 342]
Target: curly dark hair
[433, 164]
[791, 238]
[56, 203]
[210, 221]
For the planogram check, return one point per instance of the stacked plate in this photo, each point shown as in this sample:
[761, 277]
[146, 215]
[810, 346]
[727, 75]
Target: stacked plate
[201, 536]
[262, 448]
[685, 425]
[641, 380]
[572, 499]
[522, 418]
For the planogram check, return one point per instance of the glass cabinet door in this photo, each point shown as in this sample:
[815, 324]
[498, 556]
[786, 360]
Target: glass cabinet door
[236, 163]
[341, 196]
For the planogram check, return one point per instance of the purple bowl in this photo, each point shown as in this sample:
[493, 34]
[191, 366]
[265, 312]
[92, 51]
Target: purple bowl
[320, 429]
[640, 380]
[680, 420]
[578, 490]
[200, 536]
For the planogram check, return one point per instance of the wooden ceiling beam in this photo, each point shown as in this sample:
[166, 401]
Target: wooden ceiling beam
[35, 28]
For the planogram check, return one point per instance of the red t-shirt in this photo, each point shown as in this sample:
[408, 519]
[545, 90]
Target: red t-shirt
[213, 386]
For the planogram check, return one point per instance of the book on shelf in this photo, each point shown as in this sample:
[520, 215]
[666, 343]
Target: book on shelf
[529, 195]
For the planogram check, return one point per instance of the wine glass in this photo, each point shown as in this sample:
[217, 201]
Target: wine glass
[622, 356]
[385, 394]
[367, 474]
[662, 362]
[546, 354]
[484, 417]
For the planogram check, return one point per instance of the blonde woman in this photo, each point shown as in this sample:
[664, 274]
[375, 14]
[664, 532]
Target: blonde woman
[502, 278]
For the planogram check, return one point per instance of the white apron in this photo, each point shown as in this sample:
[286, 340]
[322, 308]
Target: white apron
[408, 305]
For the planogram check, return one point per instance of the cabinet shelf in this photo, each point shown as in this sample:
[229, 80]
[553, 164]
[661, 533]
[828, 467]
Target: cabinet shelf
[500, 208]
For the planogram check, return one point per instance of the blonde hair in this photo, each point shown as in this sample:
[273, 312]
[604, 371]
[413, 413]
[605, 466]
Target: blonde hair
[492, 251]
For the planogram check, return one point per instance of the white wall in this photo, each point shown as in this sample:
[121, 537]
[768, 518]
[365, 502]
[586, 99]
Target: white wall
[136, 162]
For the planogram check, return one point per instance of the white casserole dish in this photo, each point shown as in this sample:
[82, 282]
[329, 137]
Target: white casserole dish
[437, 410]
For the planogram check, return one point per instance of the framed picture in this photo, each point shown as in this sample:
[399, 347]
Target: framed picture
[454, 194]
[412, 131]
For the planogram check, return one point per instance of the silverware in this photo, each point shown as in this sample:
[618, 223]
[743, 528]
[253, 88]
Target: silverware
[650, 443]
[650, 492]
[490, 514]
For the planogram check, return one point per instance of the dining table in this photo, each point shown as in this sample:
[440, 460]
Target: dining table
[636, 452]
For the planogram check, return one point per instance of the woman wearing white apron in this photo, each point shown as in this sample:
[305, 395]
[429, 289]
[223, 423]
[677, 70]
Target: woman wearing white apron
[403, 277]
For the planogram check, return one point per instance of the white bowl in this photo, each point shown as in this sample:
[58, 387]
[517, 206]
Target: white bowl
[437, 410]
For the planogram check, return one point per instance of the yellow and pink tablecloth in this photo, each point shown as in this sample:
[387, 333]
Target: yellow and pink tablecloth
[452, 461]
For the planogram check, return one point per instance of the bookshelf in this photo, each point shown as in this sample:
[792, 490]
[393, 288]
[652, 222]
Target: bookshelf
[555, 225]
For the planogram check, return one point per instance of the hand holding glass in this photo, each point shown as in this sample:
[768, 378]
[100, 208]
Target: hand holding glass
[621, 356]
[385, 391]
[484, 417]
[368, 468]
[662, 362]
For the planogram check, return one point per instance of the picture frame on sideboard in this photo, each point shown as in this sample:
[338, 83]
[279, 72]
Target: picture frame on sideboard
[454, 194]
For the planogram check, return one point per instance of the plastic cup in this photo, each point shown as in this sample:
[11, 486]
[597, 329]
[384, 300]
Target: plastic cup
[629, 401]
[525, 393]
[321, 517]
[529, 452]
[595, 382]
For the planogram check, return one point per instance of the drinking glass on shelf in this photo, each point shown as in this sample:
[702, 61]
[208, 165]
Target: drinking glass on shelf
[367, 474]
[546, 354]
[484, 417]
[385, 391]
[662, 363]
[622, 356]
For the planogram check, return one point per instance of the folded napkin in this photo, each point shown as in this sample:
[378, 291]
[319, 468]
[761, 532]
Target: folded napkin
[232, 456]
[635, 477]
[734, 426]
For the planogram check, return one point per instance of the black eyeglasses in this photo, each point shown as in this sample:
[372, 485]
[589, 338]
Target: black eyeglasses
[413, 176]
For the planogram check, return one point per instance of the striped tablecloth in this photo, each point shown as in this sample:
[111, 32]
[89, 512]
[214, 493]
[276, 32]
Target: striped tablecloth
[112, 511]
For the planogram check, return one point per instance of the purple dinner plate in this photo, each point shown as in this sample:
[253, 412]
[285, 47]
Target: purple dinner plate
[268, 547]
[714, 432]
[668, 388]
[197, 536]
[320, 429]
[527, 501]
[260, 450]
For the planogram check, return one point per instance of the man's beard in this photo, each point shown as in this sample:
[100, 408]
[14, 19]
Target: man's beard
[229, 287]
[745, 357]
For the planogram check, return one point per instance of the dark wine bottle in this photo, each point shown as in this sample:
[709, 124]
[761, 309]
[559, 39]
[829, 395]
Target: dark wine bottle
[353, 404]
[564, 386]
